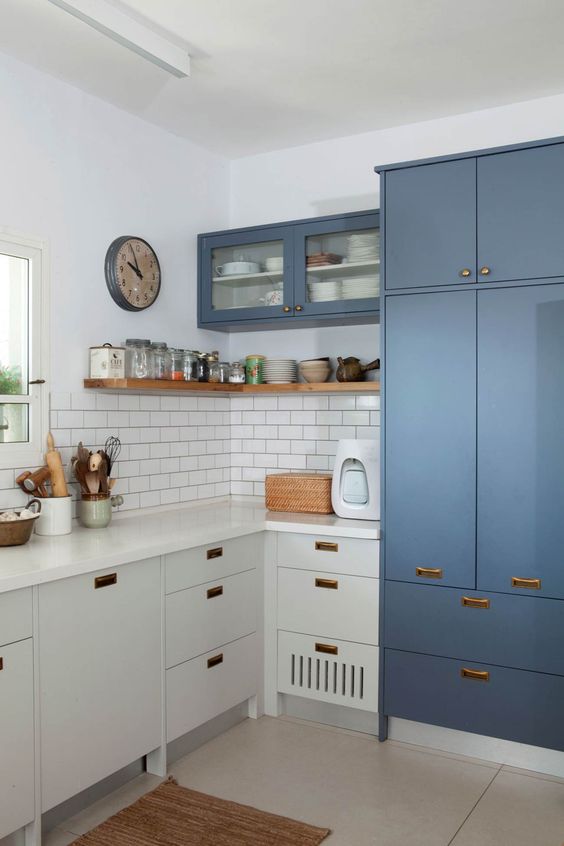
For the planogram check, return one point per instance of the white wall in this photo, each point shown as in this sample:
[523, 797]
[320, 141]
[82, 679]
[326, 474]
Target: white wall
[338, 176]
[80, 172]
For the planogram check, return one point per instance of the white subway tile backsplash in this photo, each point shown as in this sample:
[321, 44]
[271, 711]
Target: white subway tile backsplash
[159, 450]
[281, 447]
[160, 418]
[316, 432]
[342, 403]
[369, 401]
[292, 462]
[278, 418]
[329, 418]
[317, 462]
[95, 419]
[170, 403]
[70, 419]
[129, 402]
[255, 418]
[83, 401]
[290, 403]
[338, 432]
[303, 418]
[356, 418]
[265, 403]
[316, 403]
[148, 403]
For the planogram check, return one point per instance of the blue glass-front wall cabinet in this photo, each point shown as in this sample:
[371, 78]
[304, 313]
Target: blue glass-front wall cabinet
[473, 463]
[301, 273]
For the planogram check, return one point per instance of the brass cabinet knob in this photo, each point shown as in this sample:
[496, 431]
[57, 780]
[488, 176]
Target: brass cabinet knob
[485, 271]
[465, 272]
[299, 308]
[286, 309]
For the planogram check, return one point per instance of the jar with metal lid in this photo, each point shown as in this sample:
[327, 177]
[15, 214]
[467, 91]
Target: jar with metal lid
[138, 359]
[254, 369]
[202, 368]
[237, 373]
[161, 360]
[218, 372]
[190, 366]
[177, 365]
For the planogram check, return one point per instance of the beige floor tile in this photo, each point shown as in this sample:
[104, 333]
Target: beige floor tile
[367, 793]
[104, 808]
[517, 810]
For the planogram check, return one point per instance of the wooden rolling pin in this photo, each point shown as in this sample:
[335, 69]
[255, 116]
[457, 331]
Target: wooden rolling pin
[55, 465]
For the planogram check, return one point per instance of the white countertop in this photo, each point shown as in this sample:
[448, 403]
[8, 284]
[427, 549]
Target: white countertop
[135, 535]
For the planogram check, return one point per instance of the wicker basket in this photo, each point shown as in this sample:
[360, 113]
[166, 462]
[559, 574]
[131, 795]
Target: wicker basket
[305, 492]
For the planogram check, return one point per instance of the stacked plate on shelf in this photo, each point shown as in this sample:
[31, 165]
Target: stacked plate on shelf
[363, 246]
[280, 371]
[323, 290]
[360, 287]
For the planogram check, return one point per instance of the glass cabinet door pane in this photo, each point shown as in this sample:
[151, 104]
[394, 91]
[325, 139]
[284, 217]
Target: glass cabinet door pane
[248, 276]
[14, 423]
[343, 266]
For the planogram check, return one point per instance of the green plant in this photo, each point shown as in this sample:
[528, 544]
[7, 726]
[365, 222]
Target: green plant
[10, 380]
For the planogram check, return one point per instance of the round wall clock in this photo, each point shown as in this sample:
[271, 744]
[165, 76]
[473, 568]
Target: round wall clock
[133, 273]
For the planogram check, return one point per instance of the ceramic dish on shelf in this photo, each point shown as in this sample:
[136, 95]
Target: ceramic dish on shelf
[280, 371]
[237, 268]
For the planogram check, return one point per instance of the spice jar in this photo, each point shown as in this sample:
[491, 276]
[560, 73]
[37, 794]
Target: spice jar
[237, 373]
[161, 360]
[190, 366]
[224, 371]
[177, 365]
[202, 368]
[213, 371]
[138, 359]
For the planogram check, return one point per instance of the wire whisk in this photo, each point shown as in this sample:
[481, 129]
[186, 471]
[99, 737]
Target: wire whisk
[112, 448]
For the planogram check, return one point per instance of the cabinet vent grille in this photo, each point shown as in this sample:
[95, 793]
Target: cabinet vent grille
[327, 676]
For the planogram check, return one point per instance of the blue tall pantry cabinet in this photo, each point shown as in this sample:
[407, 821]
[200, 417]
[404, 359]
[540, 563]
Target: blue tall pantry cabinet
[473, 433]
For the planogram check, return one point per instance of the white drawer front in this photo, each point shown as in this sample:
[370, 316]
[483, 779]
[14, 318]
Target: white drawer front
[203, 617]
[328, 670]
[355, 556]
[345, 607]
[16, 737]
[15, 615]
[205, 687]
[202, 564]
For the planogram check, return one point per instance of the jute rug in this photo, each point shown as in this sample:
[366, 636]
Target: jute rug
[175, 816]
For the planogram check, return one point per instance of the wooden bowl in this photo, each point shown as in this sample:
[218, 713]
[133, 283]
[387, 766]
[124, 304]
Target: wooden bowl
[17, 532]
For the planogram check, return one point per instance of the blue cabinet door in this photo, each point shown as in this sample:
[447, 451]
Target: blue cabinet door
[430, 450]
[512, 704]
[431, 225]
[521, 214]
[521, 440]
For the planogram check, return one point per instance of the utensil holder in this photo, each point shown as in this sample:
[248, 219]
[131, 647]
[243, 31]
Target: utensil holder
[56, 516]
[95, 510]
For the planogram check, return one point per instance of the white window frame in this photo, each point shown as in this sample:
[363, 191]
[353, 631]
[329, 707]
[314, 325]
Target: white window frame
[31, 454]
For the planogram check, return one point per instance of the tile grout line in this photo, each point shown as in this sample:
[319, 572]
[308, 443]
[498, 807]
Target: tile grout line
[473, 808]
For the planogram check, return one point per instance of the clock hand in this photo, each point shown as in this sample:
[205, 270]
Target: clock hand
[135, 270]
[134, 257]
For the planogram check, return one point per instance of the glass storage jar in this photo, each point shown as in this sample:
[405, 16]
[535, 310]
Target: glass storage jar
[189, 366]
[237, 373]
[177, 365]
[161, 360]
[202, 368]
[138, 359]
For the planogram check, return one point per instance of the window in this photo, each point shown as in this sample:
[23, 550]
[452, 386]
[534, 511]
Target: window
[23, 355]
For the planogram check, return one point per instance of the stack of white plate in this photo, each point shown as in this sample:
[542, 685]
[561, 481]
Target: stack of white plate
[363, 246]
[323, 290]
[360, 287]
[280, 371]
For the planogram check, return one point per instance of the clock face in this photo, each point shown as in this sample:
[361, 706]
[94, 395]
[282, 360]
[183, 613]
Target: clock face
[133, 274]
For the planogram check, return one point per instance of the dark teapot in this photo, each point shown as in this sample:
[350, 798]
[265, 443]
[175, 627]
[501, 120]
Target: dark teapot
[351, 370]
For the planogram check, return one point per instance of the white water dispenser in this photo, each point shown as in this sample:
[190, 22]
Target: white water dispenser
[355, 490]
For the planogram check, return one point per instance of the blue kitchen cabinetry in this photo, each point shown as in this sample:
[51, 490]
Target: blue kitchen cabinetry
[318, 271]
[491, 217]
[480, 651]
[430, 437]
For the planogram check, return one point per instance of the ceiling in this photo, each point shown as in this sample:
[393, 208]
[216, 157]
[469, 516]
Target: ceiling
[268, 74]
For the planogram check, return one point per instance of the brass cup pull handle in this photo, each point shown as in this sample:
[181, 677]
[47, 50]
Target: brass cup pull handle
[475, 602]
[105, 581]
[299, 308]
[429, 572]
[326, 546]
[217, 552]
[533, 584]
[211, 593]
[485, 271]
[286, 309]
[327, 648]
[476, 675]
[332, 584]
[217, 659]
[465, 272]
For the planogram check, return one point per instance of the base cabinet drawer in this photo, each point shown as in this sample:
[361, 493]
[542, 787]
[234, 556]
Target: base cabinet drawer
[15, 615]
[190, 567]
[16, 737]
[203, 617]
[328, 670]
[331, 605]
[511, 631]
[482, 698]
[354, 556]
[210, 684]
[100, 659]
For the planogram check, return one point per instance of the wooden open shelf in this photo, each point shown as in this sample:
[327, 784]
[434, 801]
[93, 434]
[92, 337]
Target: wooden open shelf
[161, 386]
